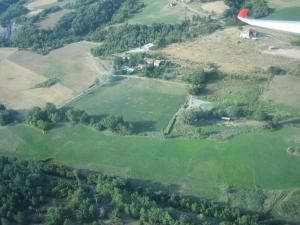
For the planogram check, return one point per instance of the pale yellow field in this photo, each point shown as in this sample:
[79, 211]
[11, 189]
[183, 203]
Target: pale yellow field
[52, 19]
[6, 52]
[284, 90]
[218, 7]
[37, 4]
[16, 90]
[230, 52]
[73, 64]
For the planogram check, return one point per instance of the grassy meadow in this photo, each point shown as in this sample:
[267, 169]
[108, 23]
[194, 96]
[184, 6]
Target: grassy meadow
[195, 166]
[150, 104]
[156, 11]
[290, 13]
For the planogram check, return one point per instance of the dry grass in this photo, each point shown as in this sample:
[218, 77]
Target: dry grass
[230, 52]
[6, 52]
[289, 53]
[16, 91]
[218, 7]
[73, 64]
[284, 90]
[52, 19]
[38, 4]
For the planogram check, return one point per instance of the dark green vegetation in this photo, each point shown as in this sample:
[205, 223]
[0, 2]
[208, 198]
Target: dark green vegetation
[198, 79]
[86, 17]
[42, 192]
[50, 116]
[7, 116]
[10, 9]
[48, 83]
[122, 38]
[258, 8]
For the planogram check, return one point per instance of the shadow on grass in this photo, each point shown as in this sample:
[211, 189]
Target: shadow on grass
[143, 126]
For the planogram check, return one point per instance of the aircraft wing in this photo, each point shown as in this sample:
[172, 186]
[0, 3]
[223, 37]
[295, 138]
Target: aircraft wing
[288, 26]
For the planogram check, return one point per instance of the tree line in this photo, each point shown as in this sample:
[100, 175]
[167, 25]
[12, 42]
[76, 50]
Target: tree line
[122, 38]
[41, 192]
[47, 117]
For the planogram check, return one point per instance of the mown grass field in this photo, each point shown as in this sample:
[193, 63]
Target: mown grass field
[290, 13]
[150, 104]
[156, 11]
[195, 166]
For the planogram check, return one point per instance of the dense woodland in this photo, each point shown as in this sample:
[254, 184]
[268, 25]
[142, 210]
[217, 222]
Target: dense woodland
[122, 38]
[40, 192]
[86, 17]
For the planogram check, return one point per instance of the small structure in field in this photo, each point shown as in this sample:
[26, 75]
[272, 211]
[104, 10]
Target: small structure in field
[147, 47]
[224, 118]
[157, 62]
[128, 69]
[248, 33]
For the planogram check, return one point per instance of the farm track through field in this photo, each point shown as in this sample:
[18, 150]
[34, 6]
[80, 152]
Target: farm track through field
[148, 78]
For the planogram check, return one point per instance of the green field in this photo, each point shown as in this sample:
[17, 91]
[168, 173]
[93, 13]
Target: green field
[291, 13]
[149, 104]
[156, 11]
[196, 166]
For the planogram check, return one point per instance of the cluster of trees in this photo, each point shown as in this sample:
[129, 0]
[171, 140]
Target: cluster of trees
[122, 38]
[199, 78]
[47, 117]
[258, 8]
[7, 116]
[39, 192]
[88, 15]
[147, 69]
[250, 110]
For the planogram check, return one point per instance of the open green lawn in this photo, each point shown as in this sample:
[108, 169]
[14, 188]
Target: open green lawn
[291, 13]
[196, 166]
[156, 11]
[150, 104]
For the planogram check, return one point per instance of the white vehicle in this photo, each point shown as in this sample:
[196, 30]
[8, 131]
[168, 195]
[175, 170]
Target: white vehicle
[288, 26]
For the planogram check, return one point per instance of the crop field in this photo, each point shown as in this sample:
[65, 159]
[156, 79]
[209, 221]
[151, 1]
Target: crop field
[290, 94]
[230, 52]
[157, 11]
[291, 13]
[148, 103]
[73, 65]
[16, 88]
[193, 166]
[217, 7]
